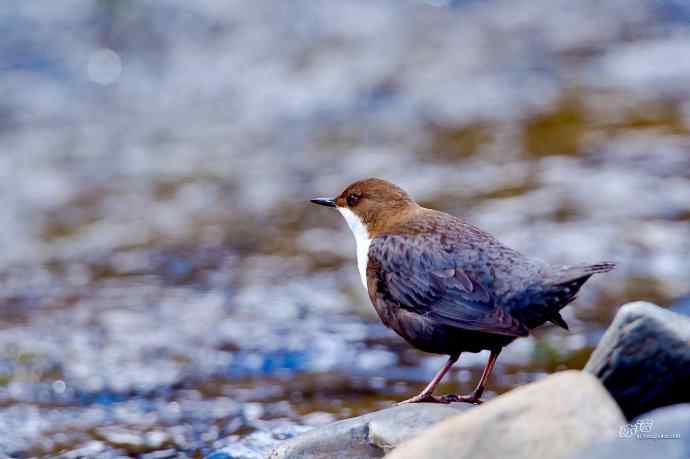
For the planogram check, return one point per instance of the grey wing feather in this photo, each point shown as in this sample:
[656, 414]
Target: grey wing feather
[425, 276]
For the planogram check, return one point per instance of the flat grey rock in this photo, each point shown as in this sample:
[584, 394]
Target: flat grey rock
[662, 433]
[553, 418]
[643, 359]
[371, 435]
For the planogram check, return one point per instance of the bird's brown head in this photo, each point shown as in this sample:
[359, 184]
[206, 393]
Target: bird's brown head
[374, 203]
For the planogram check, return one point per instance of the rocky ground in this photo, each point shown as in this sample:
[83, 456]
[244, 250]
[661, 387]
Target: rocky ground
[639, 371]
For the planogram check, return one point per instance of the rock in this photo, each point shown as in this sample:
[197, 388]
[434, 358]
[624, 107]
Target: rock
[643, 358]
[259, 443]
[371, 435]
[134, 441]
[162, 454]
[130, 440]
[553, 418]
[90, 449]
[664, 432]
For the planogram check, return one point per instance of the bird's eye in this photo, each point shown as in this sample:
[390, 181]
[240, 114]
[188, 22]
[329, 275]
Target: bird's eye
[352, 200]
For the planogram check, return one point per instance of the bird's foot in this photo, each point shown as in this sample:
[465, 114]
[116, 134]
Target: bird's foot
[424, 398]
[472, 398]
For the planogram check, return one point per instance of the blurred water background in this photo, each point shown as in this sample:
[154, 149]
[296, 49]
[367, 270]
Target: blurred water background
[167, 291]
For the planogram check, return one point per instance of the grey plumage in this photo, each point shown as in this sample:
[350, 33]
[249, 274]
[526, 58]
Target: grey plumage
[462, 290]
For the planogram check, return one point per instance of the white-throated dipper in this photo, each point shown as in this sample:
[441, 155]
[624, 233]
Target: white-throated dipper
[448, 287]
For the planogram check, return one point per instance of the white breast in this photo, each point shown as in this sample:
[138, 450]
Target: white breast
[359, 230]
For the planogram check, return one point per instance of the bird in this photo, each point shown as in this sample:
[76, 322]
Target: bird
[446, 286]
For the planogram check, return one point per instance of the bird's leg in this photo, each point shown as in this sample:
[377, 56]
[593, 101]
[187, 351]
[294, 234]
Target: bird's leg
[427, 394]
[475, 396]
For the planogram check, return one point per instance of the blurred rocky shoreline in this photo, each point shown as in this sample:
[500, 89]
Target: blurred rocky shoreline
[167, 290]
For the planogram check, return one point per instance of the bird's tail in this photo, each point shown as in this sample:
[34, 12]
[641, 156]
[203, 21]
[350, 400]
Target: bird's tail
[566, 283]
[603, 267]
[576, 273]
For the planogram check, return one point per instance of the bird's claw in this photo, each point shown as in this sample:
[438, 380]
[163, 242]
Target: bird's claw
[453, 398]
[424, 398]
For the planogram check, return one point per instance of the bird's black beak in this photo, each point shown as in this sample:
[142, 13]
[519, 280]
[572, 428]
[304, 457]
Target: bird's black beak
[328, 202]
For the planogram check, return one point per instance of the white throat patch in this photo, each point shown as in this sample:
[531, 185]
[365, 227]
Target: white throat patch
[359, 230]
